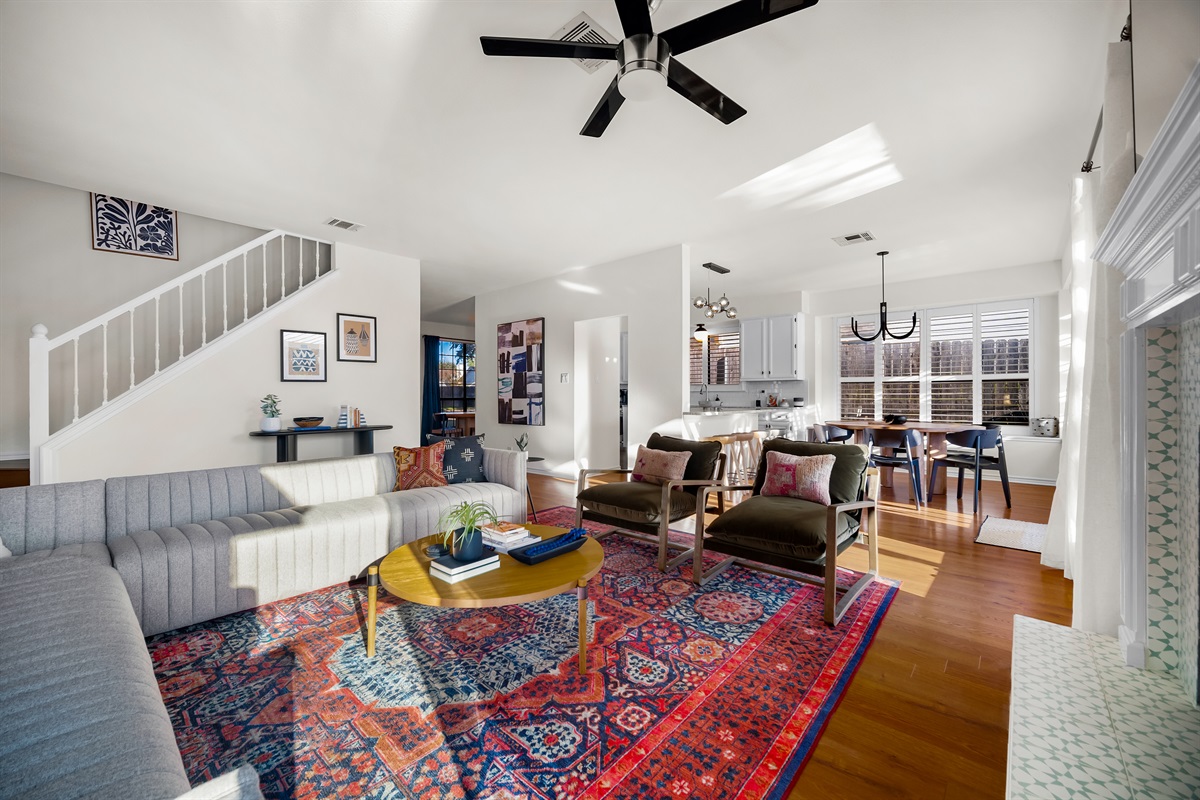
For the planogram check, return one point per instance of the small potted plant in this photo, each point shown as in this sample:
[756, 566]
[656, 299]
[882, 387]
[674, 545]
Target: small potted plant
[461, 526]
[270, 422]
[522, 441]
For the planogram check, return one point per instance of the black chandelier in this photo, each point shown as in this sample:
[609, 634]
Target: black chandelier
[883, 327]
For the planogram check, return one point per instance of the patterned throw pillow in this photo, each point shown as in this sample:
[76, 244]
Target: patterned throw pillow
[463, 462]
[659, 466]
[417, 467]
[805, 477]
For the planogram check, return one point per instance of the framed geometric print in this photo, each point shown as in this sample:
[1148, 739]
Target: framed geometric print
[302, 356]
[520, 354]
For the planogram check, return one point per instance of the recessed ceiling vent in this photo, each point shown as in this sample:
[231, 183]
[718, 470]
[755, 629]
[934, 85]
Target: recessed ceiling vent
[584, 29]
[343, 224]
[854, 238]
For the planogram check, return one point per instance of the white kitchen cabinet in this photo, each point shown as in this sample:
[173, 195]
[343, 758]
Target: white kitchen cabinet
[773, 348]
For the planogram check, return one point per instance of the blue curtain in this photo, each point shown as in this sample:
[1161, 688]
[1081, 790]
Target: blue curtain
[430, 399]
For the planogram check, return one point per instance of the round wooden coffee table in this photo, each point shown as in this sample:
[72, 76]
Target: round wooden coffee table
[405, 573]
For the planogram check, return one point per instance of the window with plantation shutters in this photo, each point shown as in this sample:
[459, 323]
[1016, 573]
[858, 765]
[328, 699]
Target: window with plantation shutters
[1004, 353]
[962, 364]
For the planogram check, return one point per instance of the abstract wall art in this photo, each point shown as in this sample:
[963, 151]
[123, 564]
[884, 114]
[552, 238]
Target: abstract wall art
[302, 356]
[356, 338]
[140, 229]
[520, 350]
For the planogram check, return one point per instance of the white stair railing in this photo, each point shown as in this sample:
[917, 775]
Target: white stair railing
[301, 262]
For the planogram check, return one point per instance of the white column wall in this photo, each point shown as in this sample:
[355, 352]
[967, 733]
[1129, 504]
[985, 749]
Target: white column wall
[651, 290]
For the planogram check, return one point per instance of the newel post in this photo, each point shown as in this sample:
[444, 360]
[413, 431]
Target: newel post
[39, 400]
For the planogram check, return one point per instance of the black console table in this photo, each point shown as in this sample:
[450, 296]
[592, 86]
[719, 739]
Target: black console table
[285, 440]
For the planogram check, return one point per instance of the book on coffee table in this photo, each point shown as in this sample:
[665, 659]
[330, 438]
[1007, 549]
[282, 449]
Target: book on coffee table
[449, 565]
[505, 530]
[473, 569]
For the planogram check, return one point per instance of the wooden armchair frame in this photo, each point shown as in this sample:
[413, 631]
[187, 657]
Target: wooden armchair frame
[834, 609]
[660, 533]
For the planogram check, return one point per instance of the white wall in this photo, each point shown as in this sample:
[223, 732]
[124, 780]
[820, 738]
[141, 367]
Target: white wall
[651, 290]
[445, 330]
[597, 382]
[202, 418]
[50, 274]
[1166, 46]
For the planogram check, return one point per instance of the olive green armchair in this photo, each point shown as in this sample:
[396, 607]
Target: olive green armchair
[787, 535]
[645, 511]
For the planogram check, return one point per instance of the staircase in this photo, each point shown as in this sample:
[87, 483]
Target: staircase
[79, 378]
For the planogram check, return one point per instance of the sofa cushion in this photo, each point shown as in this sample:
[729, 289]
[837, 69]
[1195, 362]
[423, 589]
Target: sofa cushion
[93, 551]
[783, 525]
[179, 576]
[635, 502]
[44, 517]
[462, 461]
[80, 710]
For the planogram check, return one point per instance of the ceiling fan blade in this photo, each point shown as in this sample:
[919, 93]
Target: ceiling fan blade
[605, 110]
[546, 48]
[702, 93]
[731, 19]
[635, 17]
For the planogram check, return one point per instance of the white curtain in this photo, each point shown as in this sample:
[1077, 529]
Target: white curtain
[1084, 536]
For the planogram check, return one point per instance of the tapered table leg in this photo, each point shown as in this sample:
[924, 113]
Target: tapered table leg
[581, 592]
[372, 590]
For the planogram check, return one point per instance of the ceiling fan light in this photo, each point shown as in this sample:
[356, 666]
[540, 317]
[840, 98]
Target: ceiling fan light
[642, 66]
[642, 83]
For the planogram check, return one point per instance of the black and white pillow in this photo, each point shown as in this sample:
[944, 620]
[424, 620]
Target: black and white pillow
[463, 461]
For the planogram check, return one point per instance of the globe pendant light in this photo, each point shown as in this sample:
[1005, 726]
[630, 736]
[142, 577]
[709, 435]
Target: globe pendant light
[713, 307]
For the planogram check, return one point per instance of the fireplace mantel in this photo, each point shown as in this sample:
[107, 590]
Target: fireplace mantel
[1153, 238]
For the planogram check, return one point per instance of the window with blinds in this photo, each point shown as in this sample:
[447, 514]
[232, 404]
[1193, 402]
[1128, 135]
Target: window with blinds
[717, 360]
[965, 364]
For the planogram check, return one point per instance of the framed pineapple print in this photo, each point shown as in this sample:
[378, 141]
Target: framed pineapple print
[356, 338]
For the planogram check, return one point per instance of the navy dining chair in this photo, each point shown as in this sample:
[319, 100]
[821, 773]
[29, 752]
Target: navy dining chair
[973, 451]
[898, 449]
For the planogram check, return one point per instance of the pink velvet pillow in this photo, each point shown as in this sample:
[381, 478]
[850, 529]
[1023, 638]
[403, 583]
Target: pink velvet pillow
[805, 477]
[659, 466]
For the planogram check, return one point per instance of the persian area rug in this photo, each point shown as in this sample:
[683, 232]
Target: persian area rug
[719, 692]
[1012, 533]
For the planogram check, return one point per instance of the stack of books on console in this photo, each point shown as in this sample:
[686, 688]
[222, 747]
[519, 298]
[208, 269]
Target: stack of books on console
[451, 570]
[504, 536]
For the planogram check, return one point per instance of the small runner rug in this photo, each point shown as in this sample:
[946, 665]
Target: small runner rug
[719, 692]
[1012, 533]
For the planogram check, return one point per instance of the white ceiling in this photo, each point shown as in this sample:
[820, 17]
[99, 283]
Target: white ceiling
[280, 115]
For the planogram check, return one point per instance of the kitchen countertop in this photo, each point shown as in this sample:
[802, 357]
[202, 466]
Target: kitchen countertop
[736, 410]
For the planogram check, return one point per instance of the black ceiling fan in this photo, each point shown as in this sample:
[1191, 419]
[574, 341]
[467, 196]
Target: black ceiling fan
[645, 58]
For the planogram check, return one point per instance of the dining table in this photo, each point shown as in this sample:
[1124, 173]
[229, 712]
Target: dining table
[464, 421]
[931, 443]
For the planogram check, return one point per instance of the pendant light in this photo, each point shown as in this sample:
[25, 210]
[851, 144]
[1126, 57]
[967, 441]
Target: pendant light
[883, 326]
[711, 307]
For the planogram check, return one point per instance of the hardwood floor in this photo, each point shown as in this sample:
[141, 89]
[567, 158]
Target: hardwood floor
[927, 714]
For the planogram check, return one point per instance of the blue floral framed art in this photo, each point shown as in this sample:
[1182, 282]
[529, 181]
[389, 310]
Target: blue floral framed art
[140, 229]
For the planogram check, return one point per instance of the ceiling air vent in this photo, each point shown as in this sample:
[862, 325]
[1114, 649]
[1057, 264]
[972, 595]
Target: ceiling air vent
[584, 29]
[343, 224]
[854, 238]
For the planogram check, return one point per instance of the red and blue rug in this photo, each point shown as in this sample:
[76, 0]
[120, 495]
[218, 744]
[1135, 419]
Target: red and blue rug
[713, 692]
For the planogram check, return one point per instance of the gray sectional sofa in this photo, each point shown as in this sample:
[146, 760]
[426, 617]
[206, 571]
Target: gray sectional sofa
[99, 565]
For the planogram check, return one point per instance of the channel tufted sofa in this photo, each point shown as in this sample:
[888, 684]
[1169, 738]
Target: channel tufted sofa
[98, 565]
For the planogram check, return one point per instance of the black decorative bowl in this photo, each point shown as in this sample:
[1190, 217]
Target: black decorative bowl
[307, 422]
[895, 419]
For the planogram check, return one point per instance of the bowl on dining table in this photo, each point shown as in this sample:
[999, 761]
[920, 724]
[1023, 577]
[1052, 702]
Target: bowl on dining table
[307, 422]
[895, 419]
